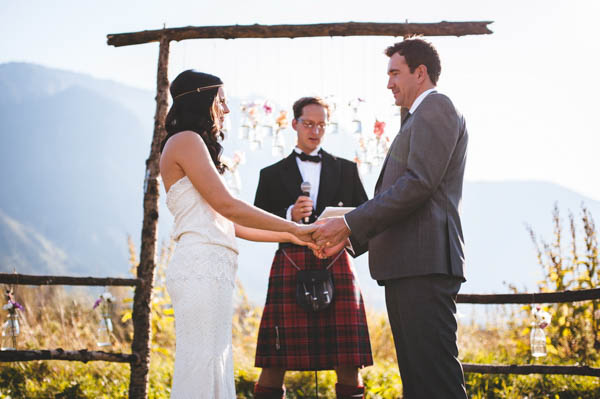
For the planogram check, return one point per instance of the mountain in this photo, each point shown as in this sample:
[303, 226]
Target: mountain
[24, 249]
[72, 165]
[72, 162]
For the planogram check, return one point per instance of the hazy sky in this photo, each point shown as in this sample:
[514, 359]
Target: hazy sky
[528, 91]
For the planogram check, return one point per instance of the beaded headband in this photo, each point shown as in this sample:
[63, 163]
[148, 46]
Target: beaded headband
[197, 90]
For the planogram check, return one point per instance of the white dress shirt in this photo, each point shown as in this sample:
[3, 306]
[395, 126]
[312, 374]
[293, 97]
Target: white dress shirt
[310, 172]
[419, 100]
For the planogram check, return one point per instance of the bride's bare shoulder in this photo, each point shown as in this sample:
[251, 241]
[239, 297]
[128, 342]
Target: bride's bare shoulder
[185, 138]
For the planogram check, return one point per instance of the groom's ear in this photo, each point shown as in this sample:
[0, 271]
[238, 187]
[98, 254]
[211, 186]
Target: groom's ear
[422, 74]
[294, 124]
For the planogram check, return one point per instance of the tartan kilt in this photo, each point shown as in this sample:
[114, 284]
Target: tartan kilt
[295, 339]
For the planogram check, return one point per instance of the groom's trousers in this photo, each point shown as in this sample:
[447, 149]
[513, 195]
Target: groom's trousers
[422, 314]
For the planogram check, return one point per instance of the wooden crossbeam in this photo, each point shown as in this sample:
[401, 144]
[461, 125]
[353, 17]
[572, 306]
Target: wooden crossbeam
[59, 354]
[28, 279]
[537, 297]
[295, 31]
[530, 369]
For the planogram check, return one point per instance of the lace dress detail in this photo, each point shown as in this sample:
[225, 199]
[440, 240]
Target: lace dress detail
[200, 281]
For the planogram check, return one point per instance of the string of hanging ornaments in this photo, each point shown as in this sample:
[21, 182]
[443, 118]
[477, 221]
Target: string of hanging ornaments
[259, 121]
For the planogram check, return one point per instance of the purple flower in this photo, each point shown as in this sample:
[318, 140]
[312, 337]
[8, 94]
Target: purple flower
[97, 302]
[17, 305]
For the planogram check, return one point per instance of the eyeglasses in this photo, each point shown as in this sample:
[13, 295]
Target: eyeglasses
[310, 124]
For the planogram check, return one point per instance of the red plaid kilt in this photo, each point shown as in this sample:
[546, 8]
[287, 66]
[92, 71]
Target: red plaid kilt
[295, 339]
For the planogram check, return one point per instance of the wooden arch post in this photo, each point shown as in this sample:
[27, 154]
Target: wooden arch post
[141, 304]
[138, 383]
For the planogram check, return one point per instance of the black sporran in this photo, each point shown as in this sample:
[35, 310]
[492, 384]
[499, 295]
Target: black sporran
[314, 288]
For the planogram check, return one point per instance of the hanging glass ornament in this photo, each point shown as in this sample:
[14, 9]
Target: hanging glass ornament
[267, 122]
[282, 121]
[244, 129]
[105, 326]
[278, 144]
[379, 143]
[10, 328]
[355, 105]
[334, 124]
[232, 175]
[537, 338]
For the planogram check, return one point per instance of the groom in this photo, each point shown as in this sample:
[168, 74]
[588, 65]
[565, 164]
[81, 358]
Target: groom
[412, 225]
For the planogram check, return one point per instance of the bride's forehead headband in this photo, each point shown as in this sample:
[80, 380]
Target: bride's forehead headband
[197, 90]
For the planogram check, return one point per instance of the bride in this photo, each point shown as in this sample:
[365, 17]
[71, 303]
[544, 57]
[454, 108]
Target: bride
[201, 274]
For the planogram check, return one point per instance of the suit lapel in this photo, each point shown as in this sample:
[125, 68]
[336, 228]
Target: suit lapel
[291, 177]
[329, 180]
[403, 122]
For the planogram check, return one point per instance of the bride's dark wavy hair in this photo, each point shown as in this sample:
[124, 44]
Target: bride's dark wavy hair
[196, 111]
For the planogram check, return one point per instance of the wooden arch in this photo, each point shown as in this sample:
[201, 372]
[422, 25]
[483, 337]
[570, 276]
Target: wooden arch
[145, 272]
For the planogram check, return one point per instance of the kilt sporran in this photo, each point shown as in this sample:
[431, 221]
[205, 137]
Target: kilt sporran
[314, 288]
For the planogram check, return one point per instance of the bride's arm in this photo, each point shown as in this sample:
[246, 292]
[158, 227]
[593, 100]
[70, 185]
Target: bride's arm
[191, 154]
[258, 235]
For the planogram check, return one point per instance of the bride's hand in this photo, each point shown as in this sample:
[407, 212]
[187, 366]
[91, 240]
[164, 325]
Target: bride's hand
[297, 241]
[303, 232]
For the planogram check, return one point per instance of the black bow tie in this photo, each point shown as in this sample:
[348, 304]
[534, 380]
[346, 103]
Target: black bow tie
[309, 158]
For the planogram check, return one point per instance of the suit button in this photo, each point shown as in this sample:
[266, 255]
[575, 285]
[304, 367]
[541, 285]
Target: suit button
[340, 203]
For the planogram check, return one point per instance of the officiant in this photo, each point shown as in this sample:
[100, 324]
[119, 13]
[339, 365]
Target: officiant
[335, 336]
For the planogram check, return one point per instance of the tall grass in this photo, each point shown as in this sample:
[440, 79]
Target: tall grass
[58, 318]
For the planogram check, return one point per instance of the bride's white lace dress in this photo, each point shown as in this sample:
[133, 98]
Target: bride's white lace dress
[200, 281]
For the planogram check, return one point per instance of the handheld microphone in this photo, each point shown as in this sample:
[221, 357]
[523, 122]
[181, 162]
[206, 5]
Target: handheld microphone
[305, 188]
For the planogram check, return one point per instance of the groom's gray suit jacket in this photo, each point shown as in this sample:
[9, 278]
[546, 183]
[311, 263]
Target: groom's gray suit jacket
[412, 225]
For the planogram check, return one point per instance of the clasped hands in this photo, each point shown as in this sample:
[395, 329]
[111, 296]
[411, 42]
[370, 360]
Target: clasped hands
[326, 237]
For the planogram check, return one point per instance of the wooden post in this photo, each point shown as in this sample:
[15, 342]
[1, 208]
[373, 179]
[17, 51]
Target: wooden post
[138, 383]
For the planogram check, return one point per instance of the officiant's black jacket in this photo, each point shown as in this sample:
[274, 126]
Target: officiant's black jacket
[339, 185]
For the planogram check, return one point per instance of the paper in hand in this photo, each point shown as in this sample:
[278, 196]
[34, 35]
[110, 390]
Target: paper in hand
[332, 211]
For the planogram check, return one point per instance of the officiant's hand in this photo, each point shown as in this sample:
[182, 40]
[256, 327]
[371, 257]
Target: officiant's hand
[330, 232]
[302, 208]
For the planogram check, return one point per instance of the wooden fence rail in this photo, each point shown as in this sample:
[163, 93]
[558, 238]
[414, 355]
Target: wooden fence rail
[28, 279]
[528, 298]
[530, 369]
[82, 355]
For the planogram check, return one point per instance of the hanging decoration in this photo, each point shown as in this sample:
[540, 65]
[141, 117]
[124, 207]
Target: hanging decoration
[10, 328]
[267, 122]
[537, 339]
[260, 119]
[281, 123]
[105, 326]
[356, 105]
[232, 175]
[334, 122]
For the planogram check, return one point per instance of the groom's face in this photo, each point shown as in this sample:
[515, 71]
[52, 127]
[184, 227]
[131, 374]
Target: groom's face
[403, 84]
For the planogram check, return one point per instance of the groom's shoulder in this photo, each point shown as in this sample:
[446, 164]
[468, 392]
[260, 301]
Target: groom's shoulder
[441, 102]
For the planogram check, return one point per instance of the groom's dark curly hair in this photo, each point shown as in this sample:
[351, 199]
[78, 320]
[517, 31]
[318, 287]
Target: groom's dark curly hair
[417, 52]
